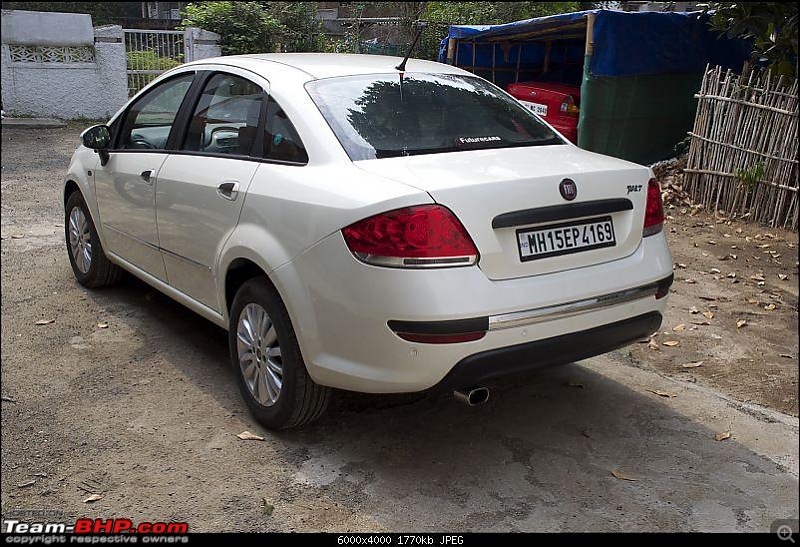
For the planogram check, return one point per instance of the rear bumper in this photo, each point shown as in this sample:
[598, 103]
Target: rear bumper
[558, 350]
[348, 315]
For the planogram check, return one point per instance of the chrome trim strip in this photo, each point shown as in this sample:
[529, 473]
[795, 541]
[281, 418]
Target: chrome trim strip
[187, 260]
[398, 262]
[561, 311]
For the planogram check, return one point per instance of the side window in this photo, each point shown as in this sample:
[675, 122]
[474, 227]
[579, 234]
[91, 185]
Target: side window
[281, 141]
[225, 120]
[148, 122]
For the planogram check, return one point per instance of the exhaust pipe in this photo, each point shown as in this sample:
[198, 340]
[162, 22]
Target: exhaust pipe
[472, 396]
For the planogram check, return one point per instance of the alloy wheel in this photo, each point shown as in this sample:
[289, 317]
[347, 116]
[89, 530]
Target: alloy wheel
[259, 354]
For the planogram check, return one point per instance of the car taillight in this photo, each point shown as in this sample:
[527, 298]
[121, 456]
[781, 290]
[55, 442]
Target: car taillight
[569, 107]
[654, 212]
[423, 236]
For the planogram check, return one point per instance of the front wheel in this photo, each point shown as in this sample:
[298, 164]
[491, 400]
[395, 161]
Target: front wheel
[89, 263]
[266, 358]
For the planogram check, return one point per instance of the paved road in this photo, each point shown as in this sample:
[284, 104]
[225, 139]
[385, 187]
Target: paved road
[145, 412]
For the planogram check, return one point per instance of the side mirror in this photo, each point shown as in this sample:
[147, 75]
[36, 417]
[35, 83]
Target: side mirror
[98, 138]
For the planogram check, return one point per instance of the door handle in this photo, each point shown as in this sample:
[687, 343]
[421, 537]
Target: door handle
[147, 177]
[228, 190]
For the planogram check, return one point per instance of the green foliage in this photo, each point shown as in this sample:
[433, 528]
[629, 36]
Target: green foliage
[244, 27]
[492, 13]
[258, 27]
[149, 60]
[751, 175]
[102, 12]
[442, 14]
[771, 26]
[298, 30]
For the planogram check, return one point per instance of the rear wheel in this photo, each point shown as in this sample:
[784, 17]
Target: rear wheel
[89, 263]
[266, 358]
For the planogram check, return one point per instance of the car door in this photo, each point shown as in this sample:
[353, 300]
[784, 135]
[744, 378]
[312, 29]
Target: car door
[201, 186]
[126, 185]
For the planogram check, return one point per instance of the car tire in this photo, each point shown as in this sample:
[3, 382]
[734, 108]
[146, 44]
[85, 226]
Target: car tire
[92, 270]
[258, 352]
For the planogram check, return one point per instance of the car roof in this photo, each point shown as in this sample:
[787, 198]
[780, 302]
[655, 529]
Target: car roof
[328, 65]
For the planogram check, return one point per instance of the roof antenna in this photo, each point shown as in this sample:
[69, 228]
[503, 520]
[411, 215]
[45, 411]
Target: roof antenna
[421, 26]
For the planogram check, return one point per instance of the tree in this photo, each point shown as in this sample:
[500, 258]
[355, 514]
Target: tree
[770, 26]
[442, 14]
[244, 27]
[102, 12]
[299, 30]
[258, 27]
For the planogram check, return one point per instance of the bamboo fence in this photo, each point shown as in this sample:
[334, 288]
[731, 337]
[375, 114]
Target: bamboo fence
[743, 154]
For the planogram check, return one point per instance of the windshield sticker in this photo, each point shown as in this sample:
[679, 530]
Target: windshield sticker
[476, 140]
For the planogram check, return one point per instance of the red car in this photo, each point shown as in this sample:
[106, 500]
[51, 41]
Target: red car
[558, 104]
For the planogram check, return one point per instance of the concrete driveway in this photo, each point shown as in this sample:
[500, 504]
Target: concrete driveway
[145, 412]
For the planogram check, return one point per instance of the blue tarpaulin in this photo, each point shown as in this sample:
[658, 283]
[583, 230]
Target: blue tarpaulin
[625, 43]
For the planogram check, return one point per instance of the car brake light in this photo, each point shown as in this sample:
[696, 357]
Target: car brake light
[569, 107]
[654, 212]
[424, 236]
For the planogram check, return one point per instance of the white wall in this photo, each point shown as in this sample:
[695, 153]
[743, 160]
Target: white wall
[52, 67]
[57, 65]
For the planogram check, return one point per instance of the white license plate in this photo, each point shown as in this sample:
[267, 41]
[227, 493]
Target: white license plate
[536, 108]
[566, 238]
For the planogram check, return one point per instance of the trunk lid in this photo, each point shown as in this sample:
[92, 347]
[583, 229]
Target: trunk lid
[481, 185]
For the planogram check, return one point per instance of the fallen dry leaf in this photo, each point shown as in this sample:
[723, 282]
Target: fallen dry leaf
[93, 498]
[17, 236]
[653, 345]
[769, 307]
[714, 271]
[741, 323]
[670, 343]
[660, 393]
[722, 436]
[102, 325]
[732, 275]
[783, 277]
[758, 277]
[247, 436]
[44, 321]
[690, 281]
[708, 314]
[693, 310]
[701, 323]
[692, 365]
[752, 301]
[622, 476]
[679, 328]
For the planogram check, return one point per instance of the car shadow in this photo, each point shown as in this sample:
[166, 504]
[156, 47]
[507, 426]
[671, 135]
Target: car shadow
[563, 449]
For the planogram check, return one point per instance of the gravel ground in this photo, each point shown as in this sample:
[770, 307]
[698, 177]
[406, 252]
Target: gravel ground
[145, 411]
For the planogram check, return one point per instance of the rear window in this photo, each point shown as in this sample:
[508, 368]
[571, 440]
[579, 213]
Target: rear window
[390, 115]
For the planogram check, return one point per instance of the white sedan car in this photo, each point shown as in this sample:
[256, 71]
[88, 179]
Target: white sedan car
[358, 227]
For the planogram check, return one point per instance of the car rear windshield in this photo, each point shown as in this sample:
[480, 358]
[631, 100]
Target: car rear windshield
[390, 115]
